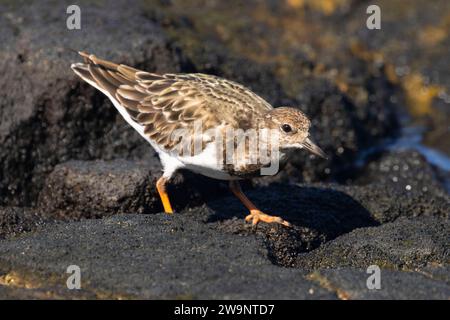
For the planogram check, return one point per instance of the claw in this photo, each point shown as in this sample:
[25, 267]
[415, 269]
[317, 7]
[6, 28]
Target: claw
[256, 216]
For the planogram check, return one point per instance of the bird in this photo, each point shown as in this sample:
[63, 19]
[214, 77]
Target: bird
[157, 105]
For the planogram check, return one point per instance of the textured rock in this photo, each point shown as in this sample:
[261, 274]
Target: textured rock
[387, 204]
[14, 221]
[189, 255]
[405, 170]
[391, 211]
[47, 116]
[321, 212]
[351, 284]
[406, 176]
[403, 244]
[83, 188]
[155, 256]
[92, 189]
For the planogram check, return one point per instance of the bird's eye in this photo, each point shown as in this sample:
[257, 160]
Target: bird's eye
[286, 128]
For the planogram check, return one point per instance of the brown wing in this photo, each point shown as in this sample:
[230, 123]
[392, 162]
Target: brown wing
[164, 103]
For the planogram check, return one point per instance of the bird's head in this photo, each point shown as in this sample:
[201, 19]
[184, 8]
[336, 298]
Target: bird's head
[293, 128]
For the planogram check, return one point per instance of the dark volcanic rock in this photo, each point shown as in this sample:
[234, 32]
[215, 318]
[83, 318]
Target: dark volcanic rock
[405, 170]
[321, 212]
[387, 203]
[318, 214]
[60, 119]
[209, 252]
[403, 244]
[47, 116]
[14, 221]
[92, 189]
[403, 183]
[155, 256]
[181, 256]
[351, 284]
[392, 210]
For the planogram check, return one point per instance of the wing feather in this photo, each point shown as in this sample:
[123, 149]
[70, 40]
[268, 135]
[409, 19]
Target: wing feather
[164, 103]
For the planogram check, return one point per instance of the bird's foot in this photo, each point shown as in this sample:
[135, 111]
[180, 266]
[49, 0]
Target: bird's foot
[256, 216]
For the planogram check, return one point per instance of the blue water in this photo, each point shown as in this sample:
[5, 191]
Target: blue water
[411, 139]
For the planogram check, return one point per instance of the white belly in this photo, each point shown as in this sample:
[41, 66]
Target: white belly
[207, 163]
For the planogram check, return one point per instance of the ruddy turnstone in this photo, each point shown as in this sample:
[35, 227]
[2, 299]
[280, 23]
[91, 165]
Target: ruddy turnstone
[158, 105]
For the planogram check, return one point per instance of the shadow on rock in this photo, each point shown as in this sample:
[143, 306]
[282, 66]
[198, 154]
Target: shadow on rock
[318, 215]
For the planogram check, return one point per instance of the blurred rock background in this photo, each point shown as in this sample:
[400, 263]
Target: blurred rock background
[379, 100]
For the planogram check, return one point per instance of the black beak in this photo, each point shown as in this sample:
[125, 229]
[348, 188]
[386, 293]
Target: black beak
[313, 148]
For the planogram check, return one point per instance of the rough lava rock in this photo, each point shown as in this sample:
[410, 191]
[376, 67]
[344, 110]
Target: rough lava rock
[66, 154]
[405, 170]
[413, 184]
[47, 116]
[405, 244]
[155, 256]
[15, 221]
[351, 283]
[94, 189]
[321, 213]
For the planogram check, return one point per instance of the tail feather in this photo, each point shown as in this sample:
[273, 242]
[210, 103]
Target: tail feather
[108, 78]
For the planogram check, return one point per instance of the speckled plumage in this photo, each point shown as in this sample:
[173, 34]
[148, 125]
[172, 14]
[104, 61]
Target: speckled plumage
[159, 105]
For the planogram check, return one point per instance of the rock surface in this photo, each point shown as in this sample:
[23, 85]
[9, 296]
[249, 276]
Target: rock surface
[47, 116]
[209, 252]
[352, 284]
[79, 189]
[157, 256]
[77, 183]
[404, 244]
[94, 189]
[15, 221]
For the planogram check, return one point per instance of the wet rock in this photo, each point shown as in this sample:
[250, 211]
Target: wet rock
[93, 189]
[406, 176]
[405, 244]
[47, 116]
[405, 170]
[15, 221]
[155, 256]
[351, 283]
[420, 68]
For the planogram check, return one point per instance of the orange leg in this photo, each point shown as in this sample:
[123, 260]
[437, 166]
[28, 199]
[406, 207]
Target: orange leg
[255, 214]
[161, 187]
